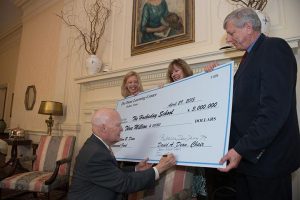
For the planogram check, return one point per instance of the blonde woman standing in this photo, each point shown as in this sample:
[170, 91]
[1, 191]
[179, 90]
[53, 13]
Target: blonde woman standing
[131, 85]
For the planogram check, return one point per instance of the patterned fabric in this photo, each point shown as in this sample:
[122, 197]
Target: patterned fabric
[32, 181]
[176, 183]
[50, 149]
[199, 183]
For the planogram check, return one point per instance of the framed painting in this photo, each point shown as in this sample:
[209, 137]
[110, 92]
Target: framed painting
[159, 24]
[30, 97]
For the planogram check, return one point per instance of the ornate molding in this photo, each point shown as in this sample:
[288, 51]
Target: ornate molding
[156, 71]
[70, 127]
[90, 107]
[111, 82]
[150, 71]
[21, 3]
[10, 38]
[11, 30]
[31, 8]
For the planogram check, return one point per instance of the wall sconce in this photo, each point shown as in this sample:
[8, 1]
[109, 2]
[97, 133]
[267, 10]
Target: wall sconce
[50, 108]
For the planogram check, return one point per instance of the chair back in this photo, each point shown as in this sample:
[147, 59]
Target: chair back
[175, 183]
[51, 149]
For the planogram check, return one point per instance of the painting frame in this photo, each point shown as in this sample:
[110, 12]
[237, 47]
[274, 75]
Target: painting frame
[30, 97]
[186, 35]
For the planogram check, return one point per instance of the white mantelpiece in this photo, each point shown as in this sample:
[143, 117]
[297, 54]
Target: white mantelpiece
[157, 69]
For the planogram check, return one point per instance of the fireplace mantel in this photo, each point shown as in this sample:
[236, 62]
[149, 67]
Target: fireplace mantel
[156, 71]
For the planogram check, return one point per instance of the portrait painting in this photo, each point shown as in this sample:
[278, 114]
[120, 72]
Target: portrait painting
[159, 24]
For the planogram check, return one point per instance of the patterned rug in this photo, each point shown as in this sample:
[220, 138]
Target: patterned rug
[13, 195]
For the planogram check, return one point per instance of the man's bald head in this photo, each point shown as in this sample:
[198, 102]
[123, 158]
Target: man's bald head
[106, 123]
[103, 116]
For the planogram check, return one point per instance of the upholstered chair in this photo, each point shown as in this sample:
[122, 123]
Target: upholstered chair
[51, 167]
[174, 184]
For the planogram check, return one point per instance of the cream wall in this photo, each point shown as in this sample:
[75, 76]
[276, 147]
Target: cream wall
[9, 52]
[37, 65]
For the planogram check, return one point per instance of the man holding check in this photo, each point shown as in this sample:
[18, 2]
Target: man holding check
[96, 175]
[264, 138]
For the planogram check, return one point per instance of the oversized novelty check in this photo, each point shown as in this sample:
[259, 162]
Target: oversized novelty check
[189, 118]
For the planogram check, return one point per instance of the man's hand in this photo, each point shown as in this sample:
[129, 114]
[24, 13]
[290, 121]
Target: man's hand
[233, 158]
[143, 165]
[166, 162]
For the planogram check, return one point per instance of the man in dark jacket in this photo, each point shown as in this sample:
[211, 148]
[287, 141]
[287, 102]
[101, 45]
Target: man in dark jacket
[96, 174]
[264, 138]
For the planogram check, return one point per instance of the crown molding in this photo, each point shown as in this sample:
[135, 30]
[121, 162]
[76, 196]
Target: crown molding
[31, 8]
[10, 30]
[20, 3]
[10, 37]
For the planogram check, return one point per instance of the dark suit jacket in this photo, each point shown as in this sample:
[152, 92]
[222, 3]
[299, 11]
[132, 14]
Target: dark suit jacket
[96, 175]
[264, 127]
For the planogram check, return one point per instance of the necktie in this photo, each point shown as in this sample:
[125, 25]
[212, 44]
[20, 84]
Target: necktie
[240, 65]
[244, 57]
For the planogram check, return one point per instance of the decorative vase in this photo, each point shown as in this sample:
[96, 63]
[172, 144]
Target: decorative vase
[93, 65]
[265, 21]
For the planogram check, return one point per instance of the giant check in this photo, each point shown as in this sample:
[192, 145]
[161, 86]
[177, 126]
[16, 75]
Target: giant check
[189, 118]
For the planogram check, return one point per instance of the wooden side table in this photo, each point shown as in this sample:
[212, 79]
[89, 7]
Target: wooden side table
[4, 136]
[3, 145]
[15, 142]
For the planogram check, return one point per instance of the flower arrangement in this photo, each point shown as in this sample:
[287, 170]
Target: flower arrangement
[97, 14]
[255, 4]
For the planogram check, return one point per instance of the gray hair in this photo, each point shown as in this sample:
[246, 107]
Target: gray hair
[243, 15]
[98, 118]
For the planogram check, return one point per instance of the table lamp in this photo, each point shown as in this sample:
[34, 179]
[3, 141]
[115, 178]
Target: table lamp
[50, 108]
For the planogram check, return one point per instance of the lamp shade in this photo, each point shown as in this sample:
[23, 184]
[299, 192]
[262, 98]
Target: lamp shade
[51, 108]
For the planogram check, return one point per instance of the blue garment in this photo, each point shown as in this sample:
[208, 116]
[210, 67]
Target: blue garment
[151, 18]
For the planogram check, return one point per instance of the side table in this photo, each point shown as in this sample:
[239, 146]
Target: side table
[4, 136]
[15, 142]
